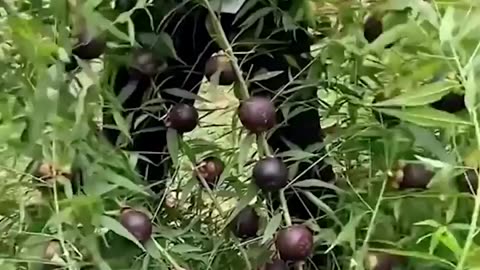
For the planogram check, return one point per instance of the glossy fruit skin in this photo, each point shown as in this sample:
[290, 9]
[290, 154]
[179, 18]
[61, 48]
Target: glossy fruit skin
[294, 243]
[89, 47]
[276, 264]
[183, 118]
[372, 29]
[144, 62]
[270, 174]
[415, 176]
[257, 114]
[216, 63]
[383, 261]
[246, 223]
[468, 182]
[137, 223]
[451, 102]
[210, 169]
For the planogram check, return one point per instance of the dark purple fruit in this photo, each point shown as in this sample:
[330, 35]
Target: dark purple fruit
[246, 223]
[183, 118]
[468, 181]
[294, 243]
[220, 64]
[257, 114]
[89, 46]
[276, 264]
[270, 174]
[372, 29]
[415, 176]
[145, 62]
[137, 223]
[451, 102]
[383, 261]
[210, 169]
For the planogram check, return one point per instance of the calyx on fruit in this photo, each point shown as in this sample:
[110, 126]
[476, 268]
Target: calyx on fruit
[221, 66]
[89, 45]
[270, 174]
[468, 181]
[137, 223]
[246, 223]
[372, 28]
[210, 169]
[294, 243]
[257, 114]
[183, 118]
[276, 264]
[413, 175]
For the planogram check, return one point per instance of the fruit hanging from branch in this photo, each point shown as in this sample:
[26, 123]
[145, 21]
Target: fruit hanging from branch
[246, 223]
[183, 118]
[210, 169]
[294, 243]
[137, 223]
[257, 114]
[270, 174]
[220, 66]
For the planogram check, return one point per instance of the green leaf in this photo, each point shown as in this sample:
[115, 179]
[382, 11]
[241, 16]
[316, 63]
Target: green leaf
[244, 201]
[414, 254]
[184, 248]
[121, 124]
[161, 44]
[184, 94]
[447, 25]
[172, 145]
[118, 228]
[416, 97]
[426, 116]
[245, 147]
[256, 16]
[426, 139]
[471, 93]
[271, 228]
[266, 75]
[347, 235]
[323, 206]
[317, 183]
[122, 181]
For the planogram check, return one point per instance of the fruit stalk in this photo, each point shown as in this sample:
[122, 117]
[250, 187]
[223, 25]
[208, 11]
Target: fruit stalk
[210, 193]
[286, 213]
[227, 47]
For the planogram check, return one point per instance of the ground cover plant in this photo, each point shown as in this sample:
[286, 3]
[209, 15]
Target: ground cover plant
[192, 175]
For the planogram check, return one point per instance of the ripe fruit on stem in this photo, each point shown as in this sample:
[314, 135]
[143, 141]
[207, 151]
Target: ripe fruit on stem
[294, 243]
[414, 176]
[451, 102]
[89, 46]
[183, 118]
[137, 223]
[270, 174]
[246, 223]
[257, 114]
[222, 67]
[210, 169]
[372, 28]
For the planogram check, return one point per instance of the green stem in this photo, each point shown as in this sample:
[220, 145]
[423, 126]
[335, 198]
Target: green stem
[169, 258]
[227, 48]
[286, 213]
[210, 193]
